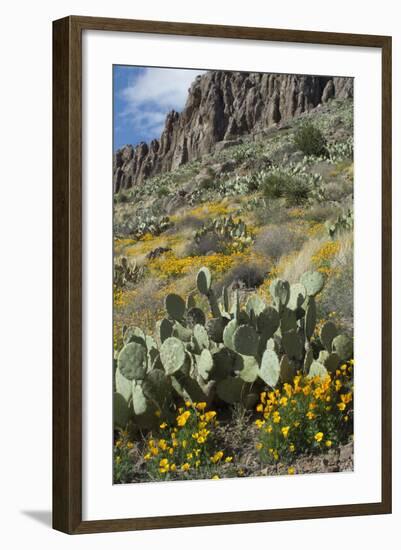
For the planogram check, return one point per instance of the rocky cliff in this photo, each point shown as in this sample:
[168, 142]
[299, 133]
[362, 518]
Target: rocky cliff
[223, 106]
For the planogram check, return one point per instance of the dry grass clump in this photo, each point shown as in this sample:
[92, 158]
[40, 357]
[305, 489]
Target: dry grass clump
[319, 213]
[293, 266]
[337, 190]
[244, 275]
[338, 294]
[277, 241]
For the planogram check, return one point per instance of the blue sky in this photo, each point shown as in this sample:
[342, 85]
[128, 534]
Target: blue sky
[142, 97]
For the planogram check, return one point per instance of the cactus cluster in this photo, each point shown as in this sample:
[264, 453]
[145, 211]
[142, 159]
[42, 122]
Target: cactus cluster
[226, 228]
[126, 272]
[152, 225]
[344, 222]
[227, 356]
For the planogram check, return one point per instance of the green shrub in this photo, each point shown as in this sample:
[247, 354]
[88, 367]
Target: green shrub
[281, 185]
[163, 191]
[310, 140]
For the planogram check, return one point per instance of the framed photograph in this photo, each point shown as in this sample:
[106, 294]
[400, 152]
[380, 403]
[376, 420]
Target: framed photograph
[222, 275]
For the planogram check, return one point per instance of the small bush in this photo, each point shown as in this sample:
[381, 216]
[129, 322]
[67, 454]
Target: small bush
[338, 296]
[310, 140]
[281, 185]
[163, 191]
[187, 222]
[321, 213]
[275, 242]
[243, 276]
[120, 198]
[208, 243]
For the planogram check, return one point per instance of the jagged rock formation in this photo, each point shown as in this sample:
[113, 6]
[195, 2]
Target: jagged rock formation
[223, 106]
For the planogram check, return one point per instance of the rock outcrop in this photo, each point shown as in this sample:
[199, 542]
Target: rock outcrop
[222, 107]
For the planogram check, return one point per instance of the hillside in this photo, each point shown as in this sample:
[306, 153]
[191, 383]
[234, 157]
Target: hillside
[222, 107]
[266, 213]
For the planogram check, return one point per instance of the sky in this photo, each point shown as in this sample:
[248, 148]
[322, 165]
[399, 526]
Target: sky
[142, 97]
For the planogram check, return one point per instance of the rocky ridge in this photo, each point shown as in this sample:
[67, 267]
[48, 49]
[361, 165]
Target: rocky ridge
[221, 108]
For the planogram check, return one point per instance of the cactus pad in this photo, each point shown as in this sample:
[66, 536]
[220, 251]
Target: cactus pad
[297, 296]
[120, 411]
[280, 291]
[343, 346]
[157, 388]
[132, 361]
[201, 337]
[317, 369]
[246, 340]
[247, 367]
[255, 304]
[215, 328]
[268, 322]
[293, 345]
[310, 318]
[270, 368]
[287, 370]
[205, 364]
[195, 316]
[165, 329]
[204, 281]
[123, 385]
[172, 355]
[175, 306]
[231, 390]
[134, 334]
[313, 282]
[327, 334]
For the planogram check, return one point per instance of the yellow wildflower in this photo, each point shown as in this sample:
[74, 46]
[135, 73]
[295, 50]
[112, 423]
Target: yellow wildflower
[291, 471]
[319, 436]
[183, 418]
[216, 457]
[164, 466]
[185, 467]
[285, 430]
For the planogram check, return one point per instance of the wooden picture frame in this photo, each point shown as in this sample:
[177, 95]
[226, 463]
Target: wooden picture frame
[67, 273]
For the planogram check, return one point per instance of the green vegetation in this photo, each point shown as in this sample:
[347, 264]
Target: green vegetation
[252, 372]
[310, 140]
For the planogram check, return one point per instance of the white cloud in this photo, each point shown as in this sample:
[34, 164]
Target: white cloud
[166, 88]
[155, 92]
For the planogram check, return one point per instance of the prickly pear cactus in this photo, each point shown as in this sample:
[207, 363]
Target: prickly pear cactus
[229, 355]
